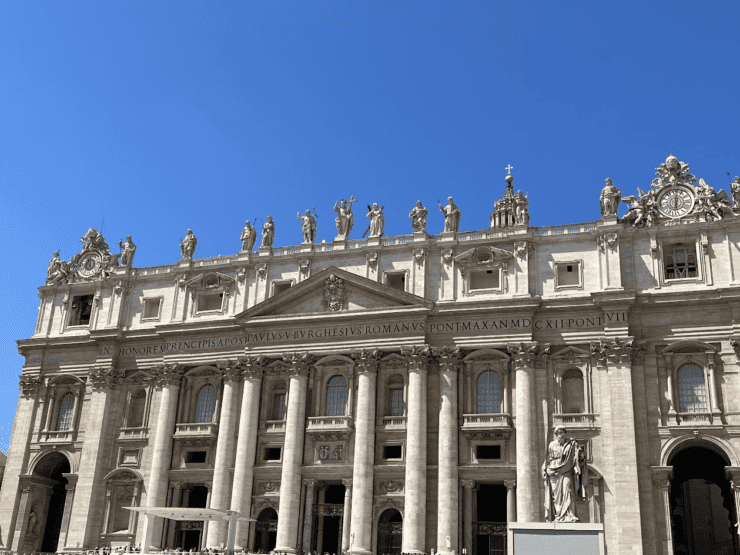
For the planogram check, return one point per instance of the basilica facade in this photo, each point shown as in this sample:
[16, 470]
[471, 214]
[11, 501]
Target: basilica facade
[392, 394]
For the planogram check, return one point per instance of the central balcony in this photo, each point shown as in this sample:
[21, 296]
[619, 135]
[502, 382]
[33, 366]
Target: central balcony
[574, 420]
[487, 426]
[391, 423]
[196, 431]
[329, 428]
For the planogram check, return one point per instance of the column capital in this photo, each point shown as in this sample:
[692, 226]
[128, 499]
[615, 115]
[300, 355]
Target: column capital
[310, 483]
[417, 356]
[468, 484]
[613, 350]
[524, 355]
[366, 360]
[178, 485]
[299, 363]
[347, 482]
[733, 473]
[252, 366]
[105, 378]
[209, 486]
[29, 385]
[510, 484]
[448, 358]
[230, 368]
[167, 374]
[662, 484]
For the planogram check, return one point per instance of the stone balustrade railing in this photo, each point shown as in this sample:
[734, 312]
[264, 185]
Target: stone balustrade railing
[392, 422]
[58, 436]
[207, 429]
[694, 418]
[274, 426]
[326, 423]
[133, 433]
[573, 419]
[499, 420]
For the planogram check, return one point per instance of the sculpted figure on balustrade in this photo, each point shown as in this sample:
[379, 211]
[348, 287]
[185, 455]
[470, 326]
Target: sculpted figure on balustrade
[418, 217]
[566, 475]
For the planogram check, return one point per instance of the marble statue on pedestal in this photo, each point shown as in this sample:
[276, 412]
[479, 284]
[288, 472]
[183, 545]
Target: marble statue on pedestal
[609, 199]
[521, 209]
[735, 192]
[128, 251]
[187, 245]
[452, 216]
[345, 220]
[308, 226]
[565, 474]
[268, 232]
[418, 217]
[57, 271]
[93, 239]
[377, 221]
[710, 203]
[248, 237]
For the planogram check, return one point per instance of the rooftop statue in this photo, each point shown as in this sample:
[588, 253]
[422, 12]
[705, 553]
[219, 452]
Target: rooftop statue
[521, 211]
[735, 192]
[710, 203]
[308, 227]
[248, 237]
[452, 216]
[345, 220]
[268, 232]
[187, 245]
[377, 221]
[672, 172]
[566, 475]
[58, 270]
[128, 251]
[609, 199]
[418, 217]
[93, 239]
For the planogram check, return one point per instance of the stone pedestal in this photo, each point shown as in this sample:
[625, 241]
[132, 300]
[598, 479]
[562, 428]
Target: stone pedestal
[306, 247]
[608, 220]
[374, 241]
[265, 251]
[420, 236]
[555, 538]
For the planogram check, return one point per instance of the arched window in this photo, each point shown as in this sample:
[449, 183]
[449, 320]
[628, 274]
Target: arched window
[278, 401]
[692, 390]
[489, 393]
[395, 396]
[66, 406]
[136, 409]
[336, 396]
[572, 387]
[206, 404]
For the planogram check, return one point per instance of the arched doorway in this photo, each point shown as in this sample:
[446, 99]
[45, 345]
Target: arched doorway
[45, 506]
[265, 530]
[390, 532]
[702, 504]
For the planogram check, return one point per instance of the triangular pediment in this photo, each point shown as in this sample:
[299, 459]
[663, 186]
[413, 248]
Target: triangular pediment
[334, 291]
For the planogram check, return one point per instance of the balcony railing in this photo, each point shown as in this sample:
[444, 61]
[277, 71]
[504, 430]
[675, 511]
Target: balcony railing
[574, 420]
[133, 434]
[58, 436]
[499, 423]
[329, 426]
[196, 430]
[695, 418]
[391, 423]
[273, 426]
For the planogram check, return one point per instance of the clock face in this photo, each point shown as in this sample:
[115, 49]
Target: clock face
[675, 202]
[89, 265]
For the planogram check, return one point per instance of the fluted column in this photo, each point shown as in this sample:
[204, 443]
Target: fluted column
[290, 481]
[85, 519]
[468, 486]
[347, 517]
[447, 490]
[225, 446]
[414, 521]
[167, 377]
[361, 525]
[527, 502]
[246, 448]
[308, 515]
[664, 486]
[176, 496]
[510, 500]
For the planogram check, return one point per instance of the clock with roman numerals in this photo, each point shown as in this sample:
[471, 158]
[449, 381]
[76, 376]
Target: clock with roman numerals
[675, 202]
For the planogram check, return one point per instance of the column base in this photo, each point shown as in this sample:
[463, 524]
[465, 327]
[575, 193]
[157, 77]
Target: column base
[291, 550]
[360, 552]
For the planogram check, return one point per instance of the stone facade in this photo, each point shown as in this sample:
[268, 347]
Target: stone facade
[379, 395]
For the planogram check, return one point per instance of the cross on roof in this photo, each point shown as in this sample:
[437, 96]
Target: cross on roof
[508, 169]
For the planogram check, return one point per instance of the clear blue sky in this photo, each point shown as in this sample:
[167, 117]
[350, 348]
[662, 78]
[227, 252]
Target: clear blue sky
[148, 118]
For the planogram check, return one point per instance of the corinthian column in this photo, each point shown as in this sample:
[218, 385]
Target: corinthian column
[447, 507]
[527, 477]
[241, 500]
[224, 450]
[361, 520]
[167, 377]
[414, 521]
[290, 481]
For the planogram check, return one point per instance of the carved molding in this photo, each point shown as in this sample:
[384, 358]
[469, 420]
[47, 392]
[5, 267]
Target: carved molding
[105, 378]
[419, 256]
[253, 366]
[334, 297]
[613, 351]
[372, 259]
[523, 355]
[269, 487]
[231, 369]
[447, 256]
[389, 486]
[609, 240]
[735, 344]
[523, 249]
[416, 356]
[448, 358]
[167, 374]
[300, 363]
[29, 385]
[261, 269]
[366, 360]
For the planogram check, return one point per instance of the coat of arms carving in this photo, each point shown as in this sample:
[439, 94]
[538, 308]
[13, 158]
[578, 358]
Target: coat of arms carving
[335, 294]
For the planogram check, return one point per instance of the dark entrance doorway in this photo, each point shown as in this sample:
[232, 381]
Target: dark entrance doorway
[390, 532]
[265, 531]
[328, 517]
[49, 517]
[489, 529]
[702, 504]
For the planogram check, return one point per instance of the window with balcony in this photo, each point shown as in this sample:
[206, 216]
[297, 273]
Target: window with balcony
[572, 387]
[336, 396]
[278, 405]
[692, 389]
[395, 396]
[136, 407]
[206, 404]
[489, 393]
[66, 410]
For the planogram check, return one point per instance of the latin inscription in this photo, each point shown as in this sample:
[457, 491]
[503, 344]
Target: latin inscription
[495, 325]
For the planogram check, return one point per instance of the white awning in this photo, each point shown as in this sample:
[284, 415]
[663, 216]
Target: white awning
[177, 513]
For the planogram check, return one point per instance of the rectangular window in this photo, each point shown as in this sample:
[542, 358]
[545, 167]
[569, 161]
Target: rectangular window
[488, 452]
[208, 302]
[81, 310]
[194, 457]
[569, 274]
[679, 260]
[272, 453]
[280, 286]
[278, 406]
[484, 279]
[392, 452]
[150, 310]
[396, 280]
[395, 402]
